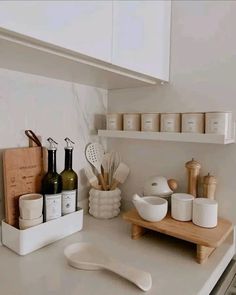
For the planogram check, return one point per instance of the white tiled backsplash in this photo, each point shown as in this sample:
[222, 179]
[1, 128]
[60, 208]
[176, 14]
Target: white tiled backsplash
[50, 108]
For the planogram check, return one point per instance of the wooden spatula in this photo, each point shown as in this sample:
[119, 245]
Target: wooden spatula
[92, 178]
[120, 175]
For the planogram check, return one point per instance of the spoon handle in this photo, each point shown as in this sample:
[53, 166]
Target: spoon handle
[140, 278]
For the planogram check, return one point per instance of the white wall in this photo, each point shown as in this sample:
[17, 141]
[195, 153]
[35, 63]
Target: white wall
[50, 108]
[203, 67]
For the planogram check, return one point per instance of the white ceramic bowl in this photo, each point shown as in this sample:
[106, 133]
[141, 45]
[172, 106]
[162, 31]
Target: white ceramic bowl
[31, 206]
[26, 223]
[154, 209]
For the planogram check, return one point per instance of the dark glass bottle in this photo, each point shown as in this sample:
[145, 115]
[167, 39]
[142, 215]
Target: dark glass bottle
[52, 186]
[69, 181]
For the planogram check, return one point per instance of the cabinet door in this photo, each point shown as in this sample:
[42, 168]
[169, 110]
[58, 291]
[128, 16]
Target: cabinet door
[141, 36]
[82, 26]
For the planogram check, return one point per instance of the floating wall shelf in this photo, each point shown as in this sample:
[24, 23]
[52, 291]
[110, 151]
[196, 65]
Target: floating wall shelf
[166, 136]
[29, 55]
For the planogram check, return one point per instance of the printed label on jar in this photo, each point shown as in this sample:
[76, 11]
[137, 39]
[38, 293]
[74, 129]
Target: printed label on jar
[191, 125]
[52, 206]
[112, 123]
[169, 125]
[68, 202]
[215, 126]
[129, 123]
[148, 125]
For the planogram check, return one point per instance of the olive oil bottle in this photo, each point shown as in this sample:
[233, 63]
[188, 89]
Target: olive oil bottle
[69, 181]
[52, 186]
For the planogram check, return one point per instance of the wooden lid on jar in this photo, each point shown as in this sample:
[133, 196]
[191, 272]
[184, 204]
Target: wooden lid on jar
[193, 164]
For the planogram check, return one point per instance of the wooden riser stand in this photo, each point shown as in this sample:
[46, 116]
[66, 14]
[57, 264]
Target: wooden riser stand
[207, 240]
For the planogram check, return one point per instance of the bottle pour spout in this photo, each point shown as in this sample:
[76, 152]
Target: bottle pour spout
[69, 143]
[52, 144]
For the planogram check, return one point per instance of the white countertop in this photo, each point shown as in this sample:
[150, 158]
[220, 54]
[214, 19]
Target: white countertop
[170, 262]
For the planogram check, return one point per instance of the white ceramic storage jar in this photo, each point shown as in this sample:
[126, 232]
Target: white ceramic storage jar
[150, 122]
[220, 123]
[205, 212]
[131, 122]
[170, 122]
[114, 121]
[181, 206]
[193, 122]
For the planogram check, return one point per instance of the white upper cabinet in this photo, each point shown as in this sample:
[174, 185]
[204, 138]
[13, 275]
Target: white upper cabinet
[81, 26]
[141, 36]
[108, 44]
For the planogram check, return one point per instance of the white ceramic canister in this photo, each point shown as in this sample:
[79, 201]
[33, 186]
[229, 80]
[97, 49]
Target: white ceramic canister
[181, 206]
[114, 121]
[131, 122]
[205, 212]
[170, 122]
[220, 123]
[150, 122]
[193, 122]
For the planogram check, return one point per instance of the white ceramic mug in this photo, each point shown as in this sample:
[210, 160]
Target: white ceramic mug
[31, 206]
[181, 206]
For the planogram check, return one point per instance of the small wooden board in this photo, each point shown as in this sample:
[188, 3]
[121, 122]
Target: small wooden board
[206, 239]
[23, 171]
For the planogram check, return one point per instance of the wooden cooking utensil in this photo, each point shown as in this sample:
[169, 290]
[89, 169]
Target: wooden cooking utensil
[94, 153]
[92, 178]
[23, 172]
[105, 166]
[115, 160]
[193, 168]
[120, 175]
[209, 186]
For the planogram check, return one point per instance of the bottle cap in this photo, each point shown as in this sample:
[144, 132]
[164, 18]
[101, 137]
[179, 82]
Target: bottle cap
[52, 144]
[69, 143]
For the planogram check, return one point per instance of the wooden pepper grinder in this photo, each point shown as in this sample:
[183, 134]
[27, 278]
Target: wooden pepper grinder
[193, 168]
[209, 186]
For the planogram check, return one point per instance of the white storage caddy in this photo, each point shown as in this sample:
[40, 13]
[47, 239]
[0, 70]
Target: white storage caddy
[25, 241]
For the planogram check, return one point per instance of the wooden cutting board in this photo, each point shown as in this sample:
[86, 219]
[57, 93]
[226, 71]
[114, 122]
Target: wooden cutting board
[22, 171]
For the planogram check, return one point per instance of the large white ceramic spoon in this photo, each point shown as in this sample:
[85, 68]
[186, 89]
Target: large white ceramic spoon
[87, 256]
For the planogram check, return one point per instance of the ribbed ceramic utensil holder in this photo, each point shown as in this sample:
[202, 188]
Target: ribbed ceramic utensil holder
[104, 204]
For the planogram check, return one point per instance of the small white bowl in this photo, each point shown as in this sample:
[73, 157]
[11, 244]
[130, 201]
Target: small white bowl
[154, 209]
[26, 223]
[31, 206]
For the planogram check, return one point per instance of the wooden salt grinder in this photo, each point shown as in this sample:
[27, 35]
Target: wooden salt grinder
[193, 168]
[209, 186]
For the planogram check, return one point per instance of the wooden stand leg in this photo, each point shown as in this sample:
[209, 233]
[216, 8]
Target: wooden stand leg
[137, 231]
[203, 253]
